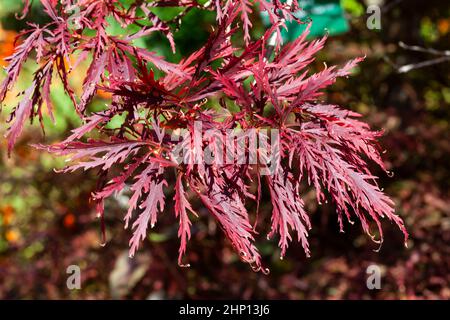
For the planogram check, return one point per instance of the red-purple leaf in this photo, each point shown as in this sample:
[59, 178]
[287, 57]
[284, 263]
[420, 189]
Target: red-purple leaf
[182, 206]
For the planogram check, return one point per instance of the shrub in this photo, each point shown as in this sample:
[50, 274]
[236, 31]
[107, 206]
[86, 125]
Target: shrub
[260, 87]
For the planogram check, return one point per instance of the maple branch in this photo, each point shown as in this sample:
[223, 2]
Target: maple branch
[425, 50]
[413, 66]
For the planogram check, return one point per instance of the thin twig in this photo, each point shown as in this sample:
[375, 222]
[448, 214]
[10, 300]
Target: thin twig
[444, 56]
[419, 65]
[424, 50]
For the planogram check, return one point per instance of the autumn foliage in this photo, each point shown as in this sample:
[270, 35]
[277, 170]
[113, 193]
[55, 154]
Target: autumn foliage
[227, 84]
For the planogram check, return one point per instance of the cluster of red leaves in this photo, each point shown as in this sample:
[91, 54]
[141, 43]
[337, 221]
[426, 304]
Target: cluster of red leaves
[321, 144]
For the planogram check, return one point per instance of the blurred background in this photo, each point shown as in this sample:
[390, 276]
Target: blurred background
[47, 223]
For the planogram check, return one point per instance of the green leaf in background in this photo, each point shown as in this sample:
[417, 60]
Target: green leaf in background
[10, 6]
[327, 17]
[353, 7]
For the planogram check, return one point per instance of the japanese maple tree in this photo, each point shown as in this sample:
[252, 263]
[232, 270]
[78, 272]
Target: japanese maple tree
[227, 84]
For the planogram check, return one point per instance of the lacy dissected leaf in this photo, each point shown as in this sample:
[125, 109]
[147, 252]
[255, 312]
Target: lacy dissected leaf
[31, 103]
[288, 211]
[93, 77]
[21, 113]
[327, 164]
[95, 153]
[21, 54]
[182, 206]
[229, 210]
[148, 195]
